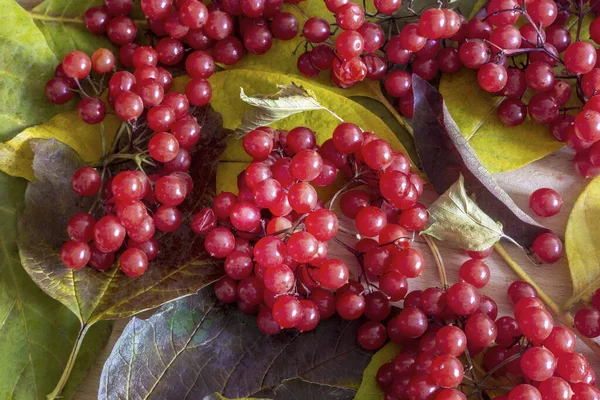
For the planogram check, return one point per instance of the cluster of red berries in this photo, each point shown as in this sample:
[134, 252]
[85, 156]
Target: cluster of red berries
[486, 43]
[442, 331]
[158, 129]
[221, 31]
[274, 235]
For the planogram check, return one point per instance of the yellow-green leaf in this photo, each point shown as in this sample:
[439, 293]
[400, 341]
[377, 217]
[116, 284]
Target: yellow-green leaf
[499, 148]
[226, 100]
[26, 65]
[16, 155]
[369, 390]
[582, 241]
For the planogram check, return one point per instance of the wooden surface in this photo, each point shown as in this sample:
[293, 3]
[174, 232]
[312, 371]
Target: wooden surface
[555, 171]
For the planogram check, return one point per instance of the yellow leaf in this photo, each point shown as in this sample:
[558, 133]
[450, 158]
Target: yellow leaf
[475, 111]
[226, 100]
[582, 241]
[16, 155]
[369, 390]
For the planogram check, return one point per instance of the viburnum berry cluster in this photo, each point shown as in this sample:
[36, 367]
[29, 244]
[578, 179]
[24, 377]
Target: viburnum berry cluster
[159, 131]
[442, 331]
[521, 51]
[221, 31]
[187, 31]
[274, 234]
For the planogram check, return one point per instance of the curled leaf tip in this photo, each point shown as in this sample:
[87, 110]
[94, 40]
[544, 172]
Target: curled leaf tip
[456, 219]
[266, 109]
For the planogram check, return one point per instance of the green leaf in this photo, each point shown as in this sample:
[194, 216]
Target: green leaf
[198, 346]
[25, 67]
[181, 268]
[369, 389]
[61, 23]
[499, 148]
[582, 238]
[37, 332]
[457, 220]
[266, 109]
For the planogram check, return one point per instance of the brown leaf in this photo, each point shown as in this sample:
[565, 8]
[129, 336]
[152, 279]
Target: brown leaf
[182, 267]
[445, 154]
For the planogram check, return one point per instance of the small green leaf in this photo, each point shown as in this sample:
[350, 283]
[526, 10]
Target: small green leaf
[457, 220]
[289, 100]
[369, 389]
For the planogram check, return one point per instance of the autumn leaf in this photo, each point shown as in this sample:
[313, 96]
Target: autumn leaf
[582, 238]
[181, 268]
[197, 346]
[445, 154]
[37, 332]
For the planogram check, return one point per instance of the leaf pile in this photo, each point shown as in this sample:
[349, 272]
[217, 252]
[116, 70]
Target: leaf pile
[445, 154]
[198, 347]
[181, 268]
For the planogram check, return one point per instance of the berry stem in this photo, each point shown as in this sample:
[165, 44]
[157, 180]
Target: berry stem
[70, 363]
[564, 318]
[580, 19]
[438, 260]
[103, 138]
[376, 89]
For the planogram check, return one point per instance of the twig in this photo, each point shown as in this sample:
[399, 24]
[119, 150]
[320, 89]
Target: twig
[438, 260]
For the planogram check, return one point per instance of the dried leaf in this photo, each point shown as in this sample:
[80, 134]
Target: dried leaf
[269, 108]
[369, 389]
[37, 332]
[582, 241]
[181, 269]
[457, 220]
[198, 346]
[445, 154]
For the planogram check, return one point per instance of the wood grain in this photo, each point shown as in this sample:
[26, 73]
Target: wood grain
[555, 171]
